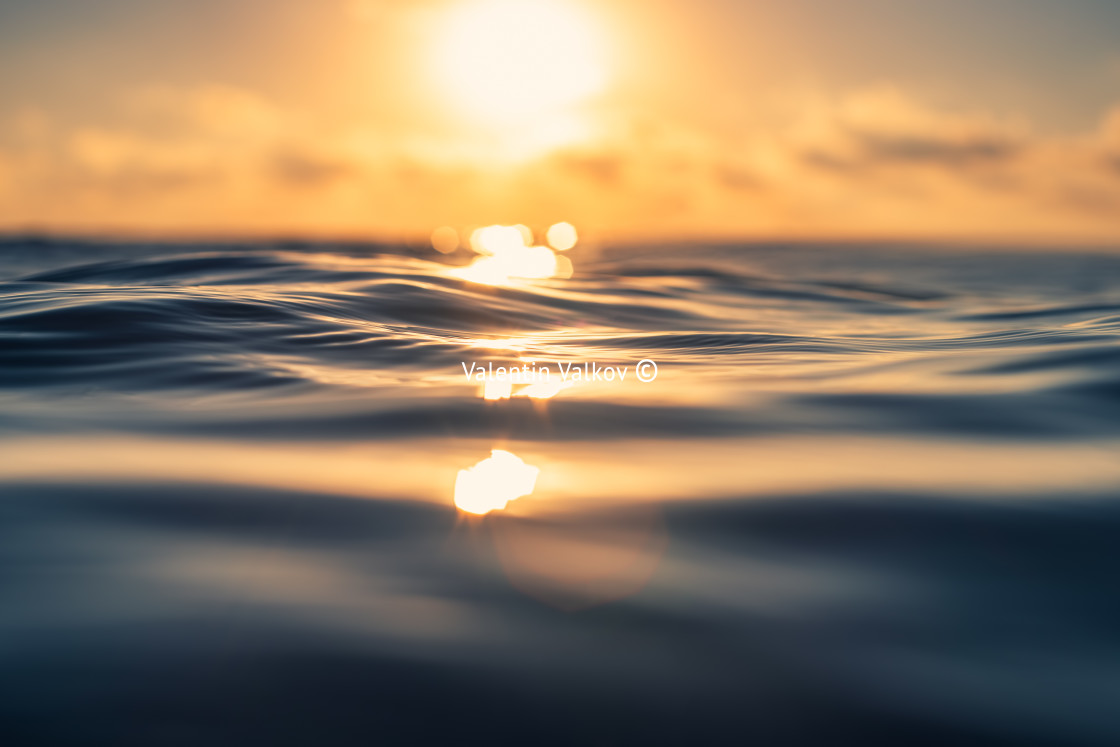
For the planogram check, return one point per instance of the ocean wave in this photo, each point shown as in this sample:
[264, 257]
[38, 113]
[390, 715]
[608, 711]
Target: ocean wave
[292, 321]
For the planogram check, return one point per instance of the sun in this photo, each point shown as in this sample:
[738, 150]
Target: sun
[516, 61]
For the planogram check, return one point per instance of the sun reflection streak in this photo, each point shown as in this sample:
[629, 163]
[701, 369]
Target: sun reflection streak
[513, 343]
[507, 253]
[492, 483]
[494, 240]
[544, 389]
[495, 389]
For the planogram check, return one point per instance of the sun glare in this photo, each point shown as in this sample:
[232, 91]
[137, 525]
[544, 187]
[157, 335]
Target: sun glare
[507, 253]
[495, 390]
[492, 483]
[512, 60]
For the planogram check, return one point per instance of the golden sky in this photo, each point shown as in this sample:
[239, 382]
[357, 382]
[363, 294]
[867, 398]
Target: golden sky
[630, 118]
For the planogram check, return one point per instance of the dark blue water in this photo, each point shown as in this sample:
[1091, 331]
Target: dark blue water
[873, 497]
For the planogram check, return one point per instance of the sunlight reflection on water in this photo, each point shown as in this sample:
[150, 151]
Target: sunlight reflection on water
[507, 253]
[492, 483]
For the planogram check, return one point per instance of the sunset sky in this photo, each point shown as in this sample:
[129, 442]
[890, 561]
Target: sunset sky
[964, 119]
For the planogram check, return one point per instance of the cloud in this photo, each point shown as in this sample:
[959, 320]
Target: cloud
[883, 128]
[213, 110]
[873, 162]
[1109, 140]
[736, 177]
[603, 168]
[300, 166]
[132, 165]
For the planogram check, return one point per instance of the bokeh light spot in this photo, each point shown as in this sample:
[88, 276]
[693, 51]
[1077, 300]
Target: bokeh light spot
[445, 239]
[562, 236]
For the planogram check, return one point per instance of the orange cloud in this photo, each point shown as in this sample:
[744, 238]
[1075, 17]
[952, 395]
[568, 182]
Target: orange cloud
[882, 127]
[875, 162]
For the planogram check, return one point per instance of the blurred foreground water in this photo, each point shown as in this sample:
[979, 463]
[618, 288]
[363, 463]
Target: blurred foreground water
[872, 497]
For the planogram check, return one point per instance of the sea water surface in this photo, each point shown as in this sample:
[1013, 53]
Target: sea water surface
[872, 497]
